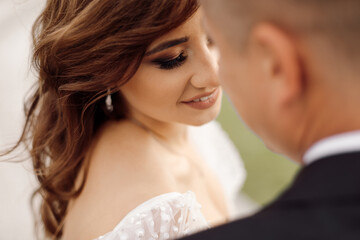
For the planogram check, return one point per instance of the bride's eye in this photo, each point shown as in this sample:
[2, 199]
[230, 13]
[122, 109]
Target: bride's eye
[171, 62]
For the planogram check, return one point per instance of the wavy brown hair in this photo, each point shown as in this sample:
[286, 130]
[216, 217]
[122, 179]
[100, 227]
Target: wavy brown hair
[81, 49]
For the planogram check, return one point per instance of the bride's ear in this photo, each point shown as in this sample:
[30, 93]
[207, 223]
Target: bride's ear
[279, 63]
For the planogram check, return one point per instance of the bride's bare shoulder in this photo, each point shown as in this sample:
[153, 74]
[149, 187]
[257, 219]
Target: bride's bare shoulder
[122, 174]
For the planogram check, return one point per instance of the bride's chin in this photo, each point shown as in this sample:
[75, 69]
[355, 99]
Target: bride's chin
[201, 120]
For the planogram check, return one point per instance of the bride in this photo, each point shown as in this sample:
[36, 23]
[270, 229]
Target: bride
[122, 85]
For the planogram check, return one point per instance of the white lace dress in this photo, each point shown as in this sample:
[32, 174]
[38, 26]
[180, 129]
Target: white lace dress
[173, 215]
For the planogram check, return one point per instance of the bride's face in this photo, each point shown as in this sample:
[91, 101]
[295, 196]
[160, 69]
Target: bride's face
[177, 79]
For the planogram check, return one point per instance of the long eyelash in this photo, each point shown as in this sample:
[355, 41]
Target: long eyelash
[168, 64]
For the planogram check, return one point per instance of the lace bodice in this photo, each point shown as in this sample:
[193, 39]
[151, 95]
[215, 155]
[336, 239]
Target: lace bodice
[167, 216]
[173, 215]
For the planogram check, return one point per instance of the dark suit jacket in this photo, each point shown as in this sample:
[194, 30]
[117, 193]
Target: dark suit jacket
[322, 203]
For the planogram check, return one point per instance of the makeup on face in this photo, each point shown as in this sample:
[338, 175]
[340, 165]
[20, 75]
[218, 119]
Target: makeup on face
[177, 79]
[169, 54]
[170, 62]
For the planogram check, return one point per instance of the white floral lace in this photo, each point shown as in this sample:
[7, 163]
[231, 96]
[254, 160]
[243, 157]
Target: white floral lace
[168, 216]
[173, 215]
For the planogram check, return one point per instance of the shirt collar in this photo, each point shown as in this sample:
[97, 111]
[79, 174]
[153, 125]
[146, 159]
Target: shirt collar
[340, 143]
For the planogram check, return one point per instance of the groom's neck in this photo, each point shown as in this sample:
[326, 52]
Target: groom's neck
[328, 115]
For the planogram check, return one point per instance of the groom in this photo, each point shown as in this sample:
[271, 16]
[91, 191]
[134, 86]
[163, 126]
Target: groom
[292, 70]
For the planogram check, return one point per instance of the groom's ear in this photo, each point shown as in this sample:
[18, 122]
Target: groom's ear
[279, 62]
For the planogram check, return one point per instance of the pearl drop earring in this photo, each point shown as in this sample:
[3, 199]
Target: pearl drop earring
[108, 102]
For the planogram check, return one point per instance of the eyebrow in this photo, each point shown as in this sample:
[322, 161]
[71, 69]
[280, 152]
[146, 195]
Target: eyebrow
[166, 45]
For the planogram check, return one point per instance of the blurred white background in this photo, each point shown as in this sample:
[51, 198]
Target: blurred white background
[16, 181]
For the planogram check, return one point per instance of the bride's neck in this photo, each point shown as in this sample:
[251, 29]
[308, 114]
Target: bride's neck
[172, 133]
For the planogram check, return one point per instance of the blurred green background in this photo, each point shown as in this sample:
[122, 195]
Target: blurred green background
[268, 173]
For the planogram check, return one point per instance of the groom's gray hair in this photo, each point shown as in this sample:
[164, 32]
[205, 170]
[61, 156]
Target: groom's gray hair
[336, 20]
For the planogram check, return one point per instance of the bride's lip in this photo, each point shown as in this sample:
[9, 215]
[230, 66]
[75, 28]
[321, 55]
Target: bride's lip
[207, 101]
[199, 96]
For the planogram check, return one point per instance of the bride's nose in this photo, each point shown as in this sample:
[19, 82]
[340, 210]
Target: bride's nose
[205, 70]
